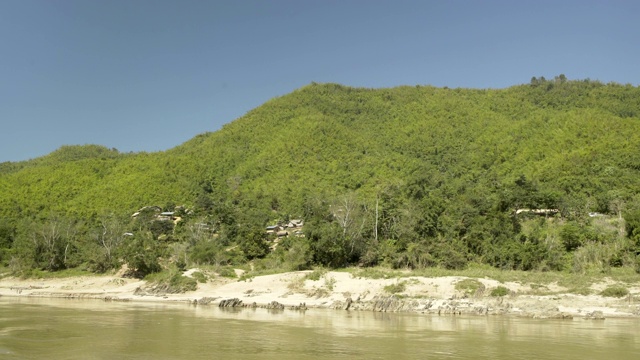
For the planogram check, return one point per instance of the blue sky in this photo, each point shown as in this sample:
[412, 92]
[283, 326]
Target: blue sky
[148, 75]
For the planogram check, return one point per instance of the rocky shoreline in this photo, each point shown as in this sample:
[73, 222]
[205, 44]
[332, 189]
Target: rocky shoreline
[447, 307]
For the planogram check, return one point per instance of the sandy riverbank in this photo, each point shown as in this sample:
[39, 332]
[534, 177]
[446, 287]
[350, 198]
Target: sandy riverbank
[342, 290]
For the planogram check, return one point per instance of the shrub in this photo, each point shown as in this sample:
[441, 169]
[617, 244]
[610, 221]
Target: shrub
[200, 277]
[396, 288]
[141, 255]
[615, 291]
[452, 259]
[180, 284]
[209, 252]
[572, 236]
[297, 284]
[582, 290]
[227, 271]
[375, 273]
[500, 291]
[470, 287]
[253, 243]
[296, 253]
[171, 283]
[329, 282]
[315, 275]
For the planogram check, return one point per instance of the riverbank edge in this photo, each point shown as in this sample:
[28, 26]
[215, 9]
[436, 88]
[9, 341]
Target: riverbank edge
[341, 291]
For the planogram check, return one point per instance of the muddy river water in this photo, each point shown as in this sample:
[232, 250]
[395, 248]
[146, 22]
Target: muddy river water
[92, 329]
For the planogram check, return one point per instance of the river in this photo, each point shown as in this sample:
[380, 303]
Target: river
[90, 329]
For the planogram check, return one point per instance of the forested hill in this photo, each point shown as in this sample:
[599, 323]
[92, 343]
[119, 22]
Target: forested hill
[435, 163]
[577, 138]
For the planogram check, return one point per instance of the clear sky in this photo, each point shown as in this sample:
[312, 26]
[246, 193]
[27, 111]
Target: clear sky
[148, 75]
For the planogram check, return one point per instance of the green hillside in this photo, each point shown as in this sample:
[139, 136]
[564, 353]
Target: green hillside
[408, 177]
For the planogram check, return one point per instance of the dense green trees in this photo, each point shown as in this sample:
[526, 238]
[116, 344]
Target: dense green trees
[405, 177]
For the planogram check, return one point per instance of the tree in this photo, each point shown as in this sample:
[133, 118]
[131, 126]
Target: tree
[141, 254]
[109, 236]
[632, 220]
[253, 242]
[561, 79]
[7, 237]
[352, 217]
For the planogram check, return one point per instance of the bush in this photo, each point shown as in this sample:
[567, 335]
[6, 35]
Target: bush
[470, 287]
[375, 273]
[329, 282]
[171, 283]
[452, 259]
[632, 220]
[500, 291]
[581, 290]
[396, 288]
[253, 243]
[572, 236]
[227, 271]
[141, 255]
[297, 253]
[208, 252]
[615, 291]
[180, 284]
[200, 277]
[315, 275]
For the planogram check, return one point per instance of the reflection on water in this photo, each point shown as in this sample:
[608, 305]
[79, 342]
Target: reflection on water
[75, 329]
